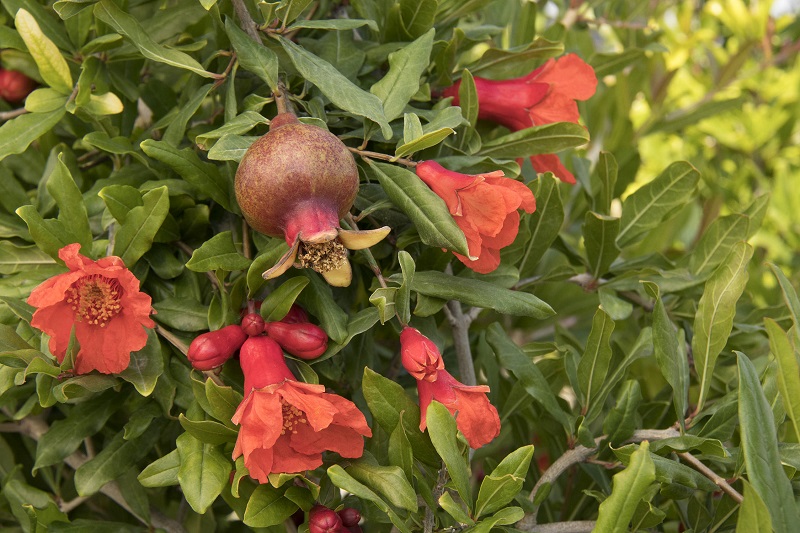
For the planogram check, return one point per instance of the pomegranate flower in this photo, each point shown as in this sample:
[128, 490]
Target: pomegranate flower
[287, 424]
[485, 208]
[102, 302]
[546, 95]
[476, 418]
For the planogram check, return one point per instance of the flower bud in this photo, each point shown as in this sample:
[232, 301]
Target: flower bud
[419, 355]
[303, 340]
[295, 315]
[350, 516]
[212, 349]
[253, 324]
[262, 363]
[324, 520]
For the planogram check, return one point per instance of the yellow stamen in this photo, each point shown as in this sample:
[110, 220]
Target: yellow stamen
[95, 299]
[322, 257]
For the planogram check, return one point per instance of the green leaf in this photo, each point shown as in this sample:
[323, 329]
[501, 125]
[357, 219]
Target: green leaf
[127, 26]
[716, 243]
[231, 147]
[204, 176]
[253, 57]
[753, 513]
[669, 471]
[49, 235]
[336, 24]
[341, 91]
[399, 449]
[401, 82]
[208, 431]
[386, 401]
[135, 236]
[222, 402]
[71, 209]
[345, 481]
[426, 210]
[504, 483]
[454, 509]
[358, 324]
[268, 507]
[425, 141]
[496, 63]
[791, 300]
[277, 304]
[116, 458]
[442, 430]
[403, 298]
[146, 366]
[203, 473]
[599, 238]
[163, 472]
[527, 373]
[45, 100]
[605, 64]
[596, 358]
[468, 98]
[629, 488]
[788, 372]
[480, 294]
[645, 209]
[64, 436]
[760, 449]
[17, 134]
[184, 314]
[409, 19]
[546, 139]
[318, 300]
[218, 253]
[543, 225]
[52, 65]
[713, 321]
[235, 126]
[669, 347]
[503, 517]
[389, 481]
[176, 130]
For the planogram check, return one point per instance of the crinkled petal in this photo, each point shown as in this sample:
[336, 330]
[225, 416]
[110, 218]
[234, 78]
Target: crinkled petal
[57, 321]
[340, 439]
[551, 163]
[287, 460]
[487, 261]
[506, 235]
[476, 417]
[358, 240]
[52, 291]
[526, 200]
[319, 412]
[284, 263]
[485, 207]
[555, 108]
[259, 464]
[71, 255]
[570, 75]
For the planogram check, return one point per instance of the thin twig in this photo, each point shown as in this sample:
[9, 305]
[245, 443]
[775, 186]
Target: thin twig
[66, 507]
[460, 327]
[245, 20]
[383, 157]
[14, 113]
[713, 476]
[438, 490]
[583, 526]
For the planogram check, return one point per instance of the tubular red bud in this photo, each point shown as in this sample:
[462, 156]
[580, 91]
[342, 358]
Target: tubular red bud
[253, 324]
[350, 516]
[303, 340]
[262, 363]
[324, 520]
[295, 315]
[212, 349]
[419, 355]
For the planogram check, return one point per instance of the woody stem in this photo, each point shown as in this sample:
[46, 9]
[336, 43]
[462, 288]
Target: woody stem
[383, 157]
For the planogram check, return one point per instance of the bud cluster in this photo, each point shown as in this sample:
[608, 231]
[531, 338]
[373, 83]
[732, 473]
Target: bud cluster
[321, 519]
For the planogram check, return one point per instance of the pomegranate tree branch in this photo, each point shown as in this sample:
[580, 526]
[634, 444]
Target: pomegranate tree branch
[459, 323]
[713, 476]
[441, 479]
[383, 157]
[14, 113]
[245, 20]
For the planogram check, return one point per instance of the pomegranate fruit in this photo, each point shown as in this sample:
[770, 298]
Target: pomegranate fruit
[297, 181]
[15, 86]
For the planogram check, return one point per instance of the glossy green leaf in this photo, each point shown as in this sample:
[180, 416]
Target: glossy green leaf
[45, 100]
[222, 402]
[468, 97]
[426, 210]
[442, 430]
[480, 294]
[184, 314]
[52, 65]
[341, 91]
[504, 483]
[218, 253]
[596, 358]
[49, 235]
[335, 24]
[163, 472]
[277, 304]
[146, 366]
[788, 372]
[17, 134]
[713, 321]
[127, 26]
[389, 481]
[646, 208]
[71, 209]
[599, 235]
[401, 82]
[546, 139]
[208, 431]
[716, 243]
[503, 517]
[231, 147]
[203, 473]
[135, 236]
[753, 513]
[318, 300]
[268, 507]
[425, 141]
[236, 126]
[760, 449]
[345, 481]
[399, 449]
[543, 225]
[790, 299]
[403, 298]
[253, 57]
[630, 486]
[454, 509]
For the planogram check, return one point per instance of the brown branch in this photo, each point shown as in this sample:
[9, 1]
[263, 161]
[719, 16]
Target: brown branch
[460, 327]
[383, 157]
[245, 20]
[713, 476]
[438, 490]
[14, 113]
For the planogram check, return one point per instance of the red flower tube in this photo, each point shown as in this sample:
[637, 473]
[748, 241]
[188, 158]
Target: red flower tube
[476, 418]
[485, 208]
[546, 95]
[286, 424]
[212, 349]
[102, 302]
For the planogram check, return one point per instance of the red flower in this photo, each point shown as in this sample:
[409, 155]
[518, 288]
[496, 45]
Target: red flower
[286, 424]
[101, 300]
[544, 96]
[476, 418]
[485, 208]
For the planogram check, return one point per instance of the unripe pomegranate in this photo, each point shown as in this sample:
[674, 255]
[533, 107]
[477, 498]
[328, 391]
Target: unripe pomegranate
[212, 349]
[350, 516]
[304, 340]
[262, 363]
[253, 324]
[324, 520]
[297, 181]
[296, 314]
[15, 86]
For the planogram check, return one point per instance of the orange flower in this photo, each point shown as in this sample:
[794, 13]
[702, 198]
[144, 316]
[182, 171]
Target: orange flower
[485, 208]
[102, 301]
[476, 418]
[546, 95]
[286, 424]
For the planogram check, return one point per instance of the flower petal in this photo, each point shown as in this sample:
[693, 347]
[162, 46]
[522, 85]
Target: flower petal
[551, 163]
[570, 75]
[358, 240]
[319, 412]
[339, 277]
[284, 263]
[286, 459]
[57, 321]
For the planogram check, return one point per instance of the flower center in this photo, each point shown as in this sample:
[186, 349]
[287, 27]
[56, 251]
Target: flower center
[292, 417]
[95, 299]
[322, 257]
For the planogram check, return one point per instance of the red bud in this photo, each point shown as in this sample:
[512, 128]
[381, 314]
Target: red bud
[350, 516]
[253, 324]
[324, 520]
[295, 315]
[212, 349]
[303, 340]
